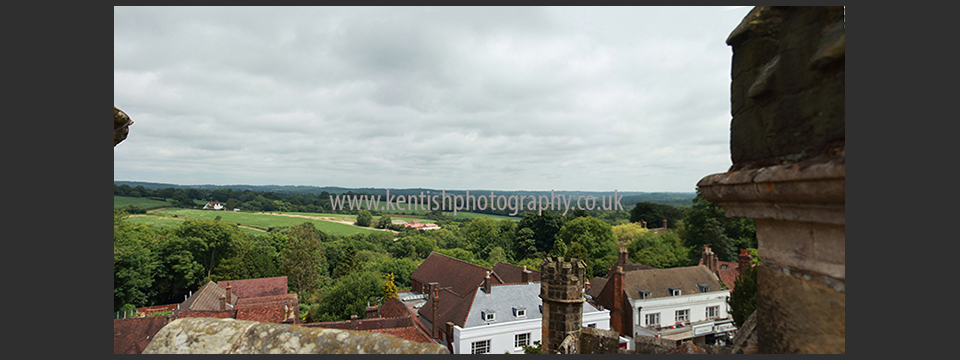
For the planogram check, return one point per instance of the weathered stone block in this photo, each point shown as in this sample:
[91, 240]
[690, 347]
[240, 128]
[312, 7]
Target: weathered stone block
[230, 336]
[814, 247]
[799, 313]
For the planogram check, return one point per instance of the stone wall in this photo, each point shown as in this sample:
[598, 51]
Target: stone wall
[229, 336]
[599, 341]
[787, 143]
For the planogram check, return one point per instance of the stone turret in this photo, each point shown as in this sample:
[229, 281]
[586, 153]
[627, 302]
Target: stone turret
[561, 289]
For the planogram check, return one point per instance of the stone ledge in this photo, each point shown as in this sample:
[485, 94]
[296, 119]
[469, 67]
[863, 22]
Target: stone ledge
[813, 192]
[230, 336]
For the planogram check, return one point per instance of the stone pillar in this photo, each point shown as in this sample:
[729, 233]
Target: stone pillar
[787, 144]
[561, 289]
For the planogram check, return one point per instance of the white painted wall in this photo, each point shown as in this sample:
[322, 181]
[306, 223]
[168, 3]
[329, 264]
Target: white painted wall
[667, 307]
[502, 336]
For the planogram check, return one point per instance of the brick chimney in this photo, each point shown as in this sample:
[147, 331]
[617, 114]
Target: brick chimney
[449, 336]
[486, 283]
[643, 224]
[664, 224]
[353, 322]
[622, 256]
[525, 275]
[616, 312]
[229, 293]
[709, 259]
[223, 302]
[744, 260]
[435, 309]
[372, 312]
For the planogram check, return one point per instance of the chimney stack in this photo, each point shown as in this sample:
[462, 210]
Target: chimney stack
[664, 224]
[223, 302]
[229, 293]
[745, 260]
[643, 224]
[435, 309]
[486, 283]
[623, 256]
[525, 275]
[617, 315]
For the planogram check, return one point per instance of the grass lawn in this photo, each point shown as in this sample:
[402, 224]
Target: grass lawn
[265, 221]
[145, 203]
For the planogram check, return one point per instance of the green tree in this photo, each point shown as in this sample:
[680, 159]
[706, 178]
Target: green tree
[706, 224]
[594, 234]
[525, 245]
[384, 222]
[134, 265]
[364, 218]
[349, 295]
[743, 298]
[348, 262]
[578, 251]
[654, 214]
[545, 227]
[211, 241]
[303, 258]
[389, 287]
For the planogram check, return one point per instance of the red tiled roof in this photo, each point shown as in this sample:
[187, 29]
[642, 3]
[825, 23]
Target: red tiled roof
[158, 308]
[457, 275]
[257, 287]
[131, 336]
[452, 308]
[728, 277]
[512, 274]
[219, 314]
[411, 333]
[272, 309]
[207, 298]
[392, 308]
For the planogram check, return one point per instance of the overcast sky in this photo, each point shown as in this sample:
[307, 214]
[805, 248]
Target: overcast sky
[632, 98]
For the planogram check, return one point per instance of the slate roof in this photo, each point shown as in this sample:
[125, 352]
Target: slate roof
[207, 298]
[131, 336]
[512, 274]
[503, 299]
[457, 275]
[257, 287]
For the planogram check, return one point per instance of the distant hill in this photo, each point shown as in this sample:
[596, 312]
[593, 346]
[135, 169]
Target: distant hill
[629, 199]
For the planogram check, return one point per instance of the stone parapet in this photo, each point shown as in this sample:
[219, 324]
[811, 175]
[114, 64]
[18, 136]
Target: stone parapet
[229, 336]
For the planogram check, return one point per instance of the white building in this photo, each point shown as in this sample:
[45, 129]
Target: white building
[508, 317]
[685, 303]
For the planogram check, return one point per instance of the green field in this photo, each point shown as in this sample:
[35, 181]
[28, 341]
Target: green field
[145, 203]
[264, 221]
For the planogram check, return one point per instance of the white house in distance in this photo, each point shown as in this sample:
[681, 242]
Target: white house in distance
[503, 318]
[213, 205]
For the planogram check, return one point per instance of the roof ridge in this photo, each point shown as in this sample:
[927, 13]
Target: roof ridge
[463, 261]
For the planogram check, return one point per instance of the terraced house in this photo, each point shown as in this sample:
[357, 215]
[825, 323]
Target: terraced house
[478, 310]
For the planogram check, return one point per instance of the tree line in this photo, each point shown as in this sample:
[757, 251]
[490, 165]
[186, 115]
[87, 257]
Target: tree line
[336, 276]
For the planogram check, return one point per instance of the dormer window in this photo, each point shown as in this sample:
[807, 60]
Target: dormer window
[703, 288]
[644, 294]
[519, 312]
[674, 291]
[487, 315]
